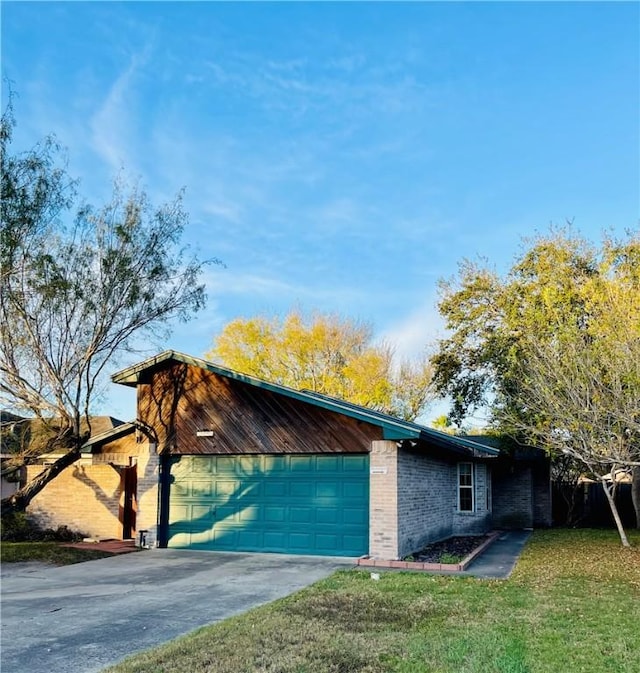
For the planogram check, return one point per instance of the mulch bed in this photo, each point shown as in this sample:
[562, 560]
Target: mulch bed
[460, 546]
[110, 546]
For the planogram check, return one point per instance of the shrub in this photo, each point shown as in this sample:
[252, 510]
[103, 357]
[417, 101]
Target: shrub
[18, 527]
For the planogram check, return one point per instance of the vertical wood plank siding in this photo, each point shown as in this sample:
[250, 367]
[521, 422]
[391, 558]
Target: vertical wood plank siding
[178, 401]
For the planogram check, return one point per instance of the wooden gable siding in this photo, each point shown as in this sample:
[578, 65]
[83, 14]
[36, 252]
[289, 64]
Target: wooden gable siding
[178, 401]
[123, 445]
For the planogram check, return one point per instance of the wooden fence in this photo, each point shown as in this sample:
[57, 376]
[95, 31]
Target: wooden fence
[585, 505]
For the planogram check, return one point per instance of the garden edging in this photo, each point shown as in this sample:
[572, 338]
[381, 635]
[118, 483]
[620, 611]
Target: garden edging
[369, 562]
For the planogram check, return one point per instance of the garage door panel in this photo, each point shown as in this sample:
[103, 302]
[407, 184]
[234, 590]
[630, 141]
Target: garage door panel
[301, 542]
[275, 488]
[355, 542]
[329, 489]
[327, 515]
[301, 463]
[201, 488]
[180, 489]
[298, 504]
[202, 512]
[300, 514]
[249, 540]
[250, 514]
[249, 466]
[203, 466]
[226, 464]
[179, 513]
[356, 490]
[224, 539]
[327, 463]
[326, 541]
[226, 488]
[275, 464]
[275, 513]
[226, 513]
[356, 516]
[302, 489]
[355, 463]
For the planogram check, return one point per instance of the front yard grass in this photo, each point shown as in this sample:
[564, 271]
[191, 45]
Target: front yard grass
[47, 552]
[572, 604]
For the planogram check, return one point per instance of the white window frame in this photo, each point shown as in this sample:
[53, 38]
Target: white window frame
[470, 487]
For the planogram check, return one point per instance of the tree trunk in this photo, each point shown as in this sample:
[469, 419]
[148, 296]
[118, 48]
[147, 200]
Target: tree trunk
[614, 510]
[635, 493]
[19, 501]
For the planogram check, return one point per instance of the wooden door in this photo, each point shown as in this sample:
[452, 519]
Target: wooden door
[130, 487]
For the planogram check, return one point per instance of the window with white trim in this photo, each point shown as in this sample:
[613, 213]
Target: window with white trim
[465, 487]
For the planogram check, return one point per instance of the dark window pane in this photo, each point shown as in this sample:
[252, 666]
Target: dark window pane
[466, 500]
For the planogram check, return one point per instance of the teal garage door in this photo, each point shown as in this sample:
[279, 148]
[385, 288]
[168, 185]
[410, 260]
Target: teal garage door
[313, 504]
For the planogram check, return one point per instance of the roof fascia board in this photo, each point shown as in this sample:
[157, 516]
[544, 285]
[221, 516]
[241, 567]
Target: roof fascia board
[114, 433]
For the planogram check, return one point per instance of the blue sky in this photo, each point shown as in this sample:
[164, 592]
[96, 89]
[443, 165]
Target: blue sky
[340, 157]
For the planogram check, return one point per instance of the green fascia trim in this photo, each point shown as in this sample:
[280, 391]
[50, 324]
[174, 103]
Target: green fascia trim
[396, 434]
[392, 428]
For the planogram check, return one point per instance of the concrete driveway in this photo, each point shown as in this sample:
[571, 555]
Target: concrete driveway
[81, 618]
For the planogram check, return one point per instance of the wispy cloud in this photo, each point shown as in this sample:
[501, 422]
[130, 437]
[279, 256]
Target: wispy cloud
[413, 334]
[112, 125]
[229, 282]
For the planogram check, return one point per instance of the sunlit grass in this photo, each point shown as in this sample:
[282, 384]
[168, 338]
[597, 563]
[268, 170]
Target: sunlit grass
[572, 604]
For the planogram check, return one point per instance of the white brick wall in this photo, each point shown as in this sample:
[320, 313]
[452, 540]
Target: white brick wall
[383, 500]
[148, 472]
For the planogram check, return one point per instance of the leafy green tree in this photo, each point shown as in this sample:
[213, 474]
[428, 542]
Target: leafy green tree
[329, 355]
[443, 424]
[78, 285]
[532, 345]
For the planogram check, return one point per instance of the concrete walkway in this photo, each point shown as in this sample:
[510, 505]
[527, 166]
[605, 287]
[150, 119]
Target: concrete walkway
[499, 559]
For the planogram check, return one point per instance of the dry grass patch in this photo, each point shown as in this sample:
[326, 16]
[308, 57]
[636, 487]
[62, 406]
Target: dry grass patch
[362, 611]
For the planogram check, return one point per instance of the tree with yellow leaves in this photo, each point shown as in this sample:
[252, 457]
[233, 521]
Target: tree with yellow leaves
[554, 349]
[327, 354]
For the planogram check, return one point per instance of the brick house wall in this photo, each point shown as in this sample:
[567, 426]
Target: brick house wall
[413, 501]
[512, 496]
[542, 510]
[147, 515]
[84, 497]
[426, 501]
[383, 500]
[88, 496]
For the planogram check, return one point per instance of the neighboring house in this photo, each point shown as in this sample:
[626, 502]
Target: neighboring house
[9, 482]
[225, 461]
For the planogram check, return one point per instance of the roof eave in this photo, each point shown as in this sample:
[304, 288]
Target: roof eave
[108, 436]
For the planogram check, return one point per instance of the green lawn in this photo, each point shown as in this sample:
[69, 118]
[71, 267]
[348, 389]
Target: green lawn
[47, 552]
[572, 604]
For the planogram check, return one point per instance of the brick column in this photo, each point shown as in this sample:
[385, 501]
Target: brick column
[148, 472]
[383, 500]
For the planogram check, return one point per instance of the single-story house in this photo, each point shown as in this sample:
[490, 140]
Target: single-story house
[218, 460]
